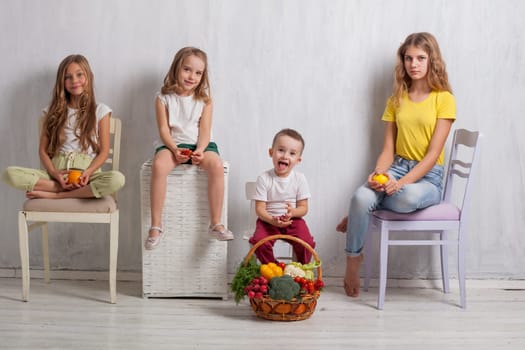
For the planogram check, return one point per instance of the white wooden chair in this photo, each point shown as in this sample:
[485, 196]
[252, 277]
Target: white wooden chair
[449, 215]
[283, 251]
[38, 212]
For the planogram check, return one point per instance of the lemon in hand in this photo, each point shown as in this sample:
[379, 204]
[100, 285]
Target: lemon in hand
[380, 178]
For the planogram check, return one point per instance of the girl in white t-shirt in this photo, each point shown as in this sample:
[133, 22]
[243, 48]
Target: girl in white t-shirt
[184, 118]
[75, 135]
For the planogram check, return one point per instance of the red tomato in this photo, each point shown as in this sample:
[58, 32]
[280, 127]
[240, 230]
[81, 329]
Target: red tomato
[310, 287]
[319, 284]
[186, 152]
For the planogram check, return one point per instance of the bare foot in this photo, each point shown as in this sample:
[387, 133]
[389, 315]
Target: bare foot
[343, 225]
[41, 194]
[81, 192]
[352, 281]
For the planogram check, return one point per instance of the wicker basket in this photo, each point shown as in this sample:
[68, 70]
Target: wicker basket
[165, 271]
[283, 310]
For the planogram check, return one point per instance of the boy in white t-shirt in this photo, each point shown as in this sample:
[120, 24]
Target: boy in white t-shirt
[281, 199]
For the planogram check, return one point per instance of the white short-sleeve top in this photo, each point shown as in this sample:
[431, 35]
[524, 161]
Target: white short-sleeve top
[278, 191]
[184, 114]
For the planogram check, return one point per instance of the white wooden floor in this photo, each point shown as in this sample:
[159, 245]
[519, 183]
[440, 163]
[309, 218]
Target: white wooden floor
[75, 315]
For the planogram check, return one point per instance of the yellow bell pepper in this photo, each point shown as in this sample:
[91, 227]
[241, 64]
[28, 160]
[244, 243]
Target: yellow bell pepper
[271, 270]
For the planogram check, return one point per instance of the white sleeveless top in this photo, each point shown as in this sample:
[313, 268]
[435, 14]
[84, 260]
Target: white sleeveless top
[184, 114]
[72, 143]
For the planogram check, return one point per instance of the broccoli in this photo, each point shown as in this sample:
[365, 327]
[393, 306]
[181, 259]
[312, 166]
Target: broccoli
[283, 288]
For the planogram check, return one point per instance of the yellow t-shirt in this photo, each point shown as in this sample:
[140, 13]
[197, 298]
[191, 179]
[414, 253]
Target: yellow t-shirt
[416, 121]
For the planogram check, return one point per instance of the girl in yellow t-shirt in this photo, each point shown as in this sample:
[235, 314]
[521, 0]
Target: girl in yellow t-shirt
[418, 117]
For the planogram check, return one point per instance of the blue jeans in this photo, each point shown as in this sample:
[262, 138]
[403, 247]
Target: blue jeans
[421, 194]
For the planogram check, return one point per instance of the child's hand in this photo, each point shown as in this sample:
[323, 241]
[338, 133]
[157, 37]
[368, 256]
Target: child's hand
[182, 155]
[197, 157]
[392, 187]
[373, 184]
[281, 221]
[61, 177]
[83, 179]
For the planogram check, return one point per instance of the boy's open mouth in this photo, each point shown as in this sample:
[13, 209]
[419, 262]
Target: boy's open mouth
[282, 165]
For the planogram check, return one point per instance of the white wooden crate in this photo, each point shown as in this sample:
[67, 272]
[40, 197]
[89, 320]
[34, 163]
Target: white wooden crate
[187, 262]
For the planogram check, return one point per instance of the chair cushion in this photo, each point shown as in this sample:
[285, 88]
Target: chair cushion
[442, 211]
[105, 204]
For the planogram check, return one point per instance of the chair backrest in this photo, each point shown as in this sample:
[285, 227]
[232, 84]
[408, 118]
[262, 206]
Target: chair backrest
[462, 163]
[249, 191]
[115, 129]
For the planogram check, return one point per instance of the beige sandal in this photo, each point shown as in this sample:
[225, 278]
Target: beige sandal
[220, 235]
[152, 242]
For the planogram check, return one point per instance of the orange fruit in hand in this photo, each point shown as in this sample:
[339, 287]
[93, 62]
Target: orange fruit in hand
[380, 178]
[73, 177]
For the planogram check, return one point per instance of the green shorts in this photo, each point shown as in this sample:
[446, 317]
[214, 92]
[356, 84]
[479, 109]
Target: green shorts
[212, 147]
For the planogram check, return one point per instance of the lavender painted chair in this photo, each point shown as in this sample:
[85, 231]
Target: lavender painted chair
[449, 215]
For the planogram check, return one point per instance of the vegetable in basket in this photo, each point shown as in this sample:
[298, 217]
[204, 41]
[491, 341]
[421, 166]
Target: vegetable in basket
[283, 288]
[308, 269]
[243, 277]
[294, 271]
[271, 270]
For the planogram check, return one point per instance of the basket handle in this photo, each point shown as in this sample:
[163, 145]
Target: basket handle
[289, 238]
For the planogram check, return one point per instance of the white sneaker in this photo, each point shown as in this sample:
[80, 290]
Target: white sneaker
[220, 235]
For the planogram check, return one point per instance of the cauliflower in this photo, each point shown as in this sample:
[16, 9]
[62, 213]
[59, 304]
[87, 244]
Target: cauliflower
[294, 271]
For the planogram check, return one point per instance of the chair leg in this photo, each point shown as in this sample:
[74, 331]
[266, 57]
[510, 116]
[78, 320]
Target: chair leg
[383, 263]
[444, 262]
[113, 256]
[45, 251]
[368, 258]
[461, 271]
[23, 237]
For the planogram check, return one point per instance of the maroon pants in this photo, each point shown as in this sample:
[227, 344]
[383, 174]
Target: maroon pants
[297, 229]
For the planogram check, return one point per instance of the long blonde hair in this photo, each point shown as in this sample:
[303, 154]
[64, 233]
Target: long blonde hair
[437, 77]
[202, 91]
[56, 117]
